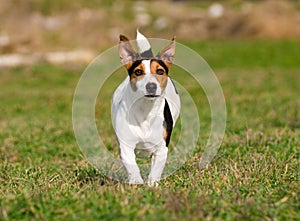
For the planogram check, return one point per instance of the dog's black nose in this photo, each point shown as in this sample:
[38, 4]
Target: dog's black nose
[151, 88]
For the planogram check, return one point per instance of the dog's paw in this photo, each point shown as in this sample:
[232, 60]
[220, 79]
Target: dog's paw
[136, 181]
[153, 182]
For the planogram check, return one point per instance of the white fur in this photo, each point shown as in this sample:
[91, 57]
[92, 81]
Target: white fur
[142, 42]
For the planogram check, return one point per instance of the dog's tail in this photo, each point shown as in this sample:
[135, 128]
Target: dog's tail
[143, 45]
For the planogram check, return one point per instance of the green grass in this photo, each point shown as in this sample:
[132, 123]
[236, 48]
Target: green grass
[255, 175]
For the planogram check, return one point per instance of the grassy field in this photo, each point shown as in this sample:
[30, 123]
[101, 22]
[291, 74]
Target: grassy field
[255, 175]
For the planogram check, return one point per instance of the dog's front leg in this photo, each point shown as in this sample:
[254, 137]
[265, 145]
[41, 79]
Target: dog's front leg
[158, 162]
[128, 159]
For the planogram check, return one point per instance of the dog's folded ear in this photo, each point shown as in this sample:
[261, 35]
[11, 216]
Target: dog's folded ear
[127, 54]
[167, 54]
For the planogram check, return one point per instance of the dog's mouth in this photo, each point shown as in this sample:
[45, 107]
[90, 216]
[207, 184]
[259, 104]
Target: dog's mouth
[151, 95]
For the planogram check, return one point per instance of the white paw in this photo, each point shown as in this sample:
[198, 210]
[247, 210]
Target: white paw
[153, 182]
[135, 180]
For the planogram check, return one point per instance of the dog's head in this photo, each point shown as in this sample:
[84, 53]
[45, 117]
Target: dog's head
[148, 74]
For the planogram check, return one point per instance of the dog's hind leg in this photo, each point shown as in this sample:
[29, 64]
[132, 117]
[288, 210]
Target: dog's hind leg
[158, 162]
[128, 159]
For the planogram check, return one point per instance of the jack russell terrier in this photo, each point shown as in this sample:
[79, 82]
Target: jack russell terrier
[145, 107]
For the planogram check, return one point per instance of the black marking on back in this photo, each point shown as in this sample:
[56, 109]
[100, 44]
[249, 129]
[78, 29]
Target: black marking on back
[134, 65]
[147, 54]
[168, 122]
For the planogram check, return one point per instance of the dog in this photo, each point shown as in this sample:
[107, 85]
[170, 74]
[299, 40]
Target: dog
[145, 107]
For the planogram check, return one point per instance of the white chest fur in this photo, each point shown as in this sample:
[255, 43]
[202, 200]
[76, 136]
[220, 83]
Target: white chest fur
[138, 119]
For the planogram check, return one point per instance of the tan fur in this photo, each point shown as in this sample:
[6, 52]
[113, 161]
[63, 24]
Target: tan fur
[165, 134]
[162, 79]
[154, 66]
[134, 78]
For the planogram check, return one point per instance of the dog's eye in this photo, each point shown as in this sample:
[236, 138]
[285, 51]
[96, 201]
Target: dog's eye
[160, 71]
[138, 72]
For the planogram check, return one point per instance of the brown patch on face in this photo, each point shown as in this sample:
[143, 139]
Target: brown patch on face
[160, 74]
[137, 73]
